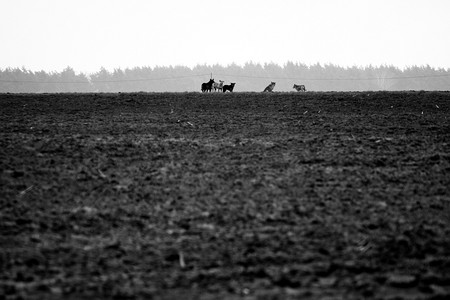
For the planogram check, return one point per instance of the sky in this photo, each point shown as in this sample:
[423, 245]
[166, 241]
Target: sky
[87, 35]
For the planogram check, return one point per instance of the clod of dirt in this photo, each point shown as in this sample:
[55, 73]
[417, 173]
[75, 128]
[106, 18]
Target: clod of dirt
[402, 281]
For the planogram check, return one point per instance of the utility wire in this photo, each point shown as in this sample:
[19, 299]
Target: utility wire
[106, 81]
[150, 79]
[341, 79]
[228, 75]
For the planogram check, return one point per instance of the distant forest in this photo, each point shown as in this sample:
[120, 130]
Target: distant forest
[249, 77]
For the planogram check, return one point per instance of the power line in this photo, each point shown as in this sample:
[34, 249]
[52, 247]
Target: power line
[338, 79]
[36, 81]
[105, 81]
[149, 79]
[227, 75]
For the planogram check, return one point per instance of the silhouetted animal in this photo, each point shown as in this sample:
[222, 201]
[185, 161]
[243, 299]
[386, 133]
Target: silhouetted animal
[229, 87]
[299, 87]
[270, 87]
[207, 86]
[218, 85]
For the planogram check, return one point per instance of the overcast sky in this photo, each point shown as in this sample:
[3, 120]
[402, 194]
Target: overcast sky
[88, 34]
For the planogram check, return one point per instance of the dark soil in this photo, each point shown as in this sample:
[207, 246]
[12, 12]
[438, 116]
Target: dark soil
[225, 196]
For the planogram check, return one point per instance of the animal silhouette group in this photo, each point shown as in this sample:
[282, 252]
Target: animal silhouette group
[217, 86]
[297, 87]
[220, 87]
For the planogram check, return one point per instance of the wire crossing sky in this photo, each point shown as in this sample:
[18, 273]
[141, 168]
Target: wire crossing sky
[89, 34]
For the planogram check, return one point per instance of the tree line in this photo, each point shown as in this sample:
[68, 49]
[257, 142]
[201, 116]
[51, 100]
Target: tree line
[248, 77]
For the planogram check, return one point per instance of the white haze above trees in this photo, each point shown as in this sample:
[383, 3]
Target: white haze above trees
[89, 34]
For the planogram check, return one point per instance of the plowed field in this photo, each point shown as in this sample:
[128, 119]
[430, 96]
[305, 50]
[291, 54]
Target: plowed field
[225, 196]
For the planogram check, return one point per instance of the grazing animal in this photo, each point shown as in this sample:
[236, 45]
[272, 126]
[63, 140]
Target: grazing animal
[299, 87]
[218, 85]
[207, 86]
[270, 87]
[229, 87]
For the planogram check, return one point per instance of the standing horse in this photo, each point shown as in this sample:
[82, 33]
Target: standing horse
[218, 85]
[229, 87]
[207, 86]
